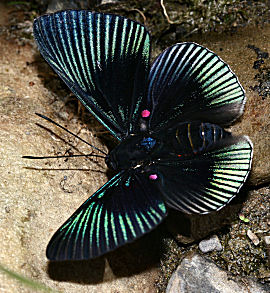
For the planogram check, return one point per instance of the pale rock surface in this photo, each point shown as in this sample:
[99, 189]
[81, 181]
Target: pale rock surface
[197, 274]
[210, 244]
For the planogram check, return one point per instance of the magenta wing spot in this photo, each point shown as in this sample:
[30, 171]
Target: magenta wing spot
[153, 176]
[145, 113]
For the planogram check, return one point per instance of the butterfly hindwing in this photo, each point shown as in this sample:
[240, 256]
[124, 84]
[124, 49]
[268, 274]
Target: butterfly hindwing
[188, 82]
[124, 209]
[104, 60]
[208, 180]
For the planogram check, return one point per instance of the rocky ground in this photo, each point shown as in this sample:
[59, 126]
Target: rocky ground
[37, 196]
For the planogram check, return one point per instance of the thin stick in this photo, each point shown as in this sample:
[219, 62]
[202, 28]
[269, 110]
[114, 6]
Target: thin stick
[62, 127]
[165, 12]
[141, 13]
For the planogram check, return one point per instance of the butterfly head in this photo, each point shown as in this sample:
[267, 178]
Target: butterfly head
[132, 152]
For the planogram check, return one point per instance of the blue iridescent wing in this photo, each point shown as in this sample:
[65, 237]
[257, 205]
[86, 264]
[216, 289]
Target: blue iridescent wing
[125, 208]
[207, 180]
[102, 58]
[188, 82]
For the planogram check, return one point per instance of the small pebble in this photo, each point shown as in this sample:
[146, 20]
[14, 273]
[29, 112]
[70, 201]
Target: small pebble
[63, 114]
[253, 237]
[267, 240]
[210, 244]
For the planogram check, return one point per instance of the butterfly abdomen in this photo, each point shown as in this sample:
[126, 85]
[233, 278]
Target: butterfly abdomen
[192, 138]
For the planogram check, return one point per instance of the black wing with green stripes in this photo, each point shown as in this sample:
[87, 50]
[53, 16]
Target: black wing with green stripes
[188, 82]
[103, 59]
[207, 178]
[124, 209]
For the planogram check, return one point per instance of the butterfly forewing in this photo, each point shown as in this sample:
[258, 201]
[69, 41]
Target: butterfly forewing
[188, 82]
[124, 209]
[103, 59]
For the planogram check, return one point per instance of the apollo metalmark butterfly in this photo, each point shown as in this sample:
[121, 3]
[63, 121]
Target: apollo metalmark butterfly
[168, 118]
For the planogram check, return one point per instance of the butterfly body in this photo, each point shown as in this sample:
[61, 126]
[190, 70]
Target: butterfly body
[169, 119]
[132, 152]
[145, 150]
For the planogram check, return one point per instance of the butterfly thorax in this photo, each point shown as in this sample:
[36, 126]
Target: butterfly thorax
[133, 152]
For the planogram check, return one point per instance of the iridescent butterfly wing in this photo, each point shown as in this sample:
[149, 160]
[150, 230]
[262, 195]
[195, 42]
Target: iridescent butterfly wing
[125, 208]
[104, 60]
[206, 167]
[188, 82]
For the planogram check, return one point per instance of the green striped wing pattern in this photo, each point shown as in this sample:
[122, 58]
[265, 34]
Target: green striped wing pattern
[207, 181]
[188, 82]
[124, 209]
[104, 60]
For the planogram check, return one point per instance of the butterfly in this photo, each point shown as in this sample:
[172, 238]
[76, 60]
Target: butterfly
[169, 119]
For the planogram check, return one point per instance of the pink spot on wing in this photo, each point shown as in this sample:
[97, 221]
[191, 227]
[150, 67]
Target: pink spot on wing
[145, 113]
[153, 177]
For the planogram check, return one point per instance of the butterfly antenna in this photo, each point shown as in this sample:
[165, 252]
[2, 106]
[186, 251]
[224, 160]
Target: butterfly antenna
[75, 135]
[61, 156]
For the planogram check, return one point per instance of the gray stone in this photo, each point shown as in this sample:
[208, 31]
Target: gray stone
[197, 274]
[210, 244]
[253, 237]
[267, 240]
